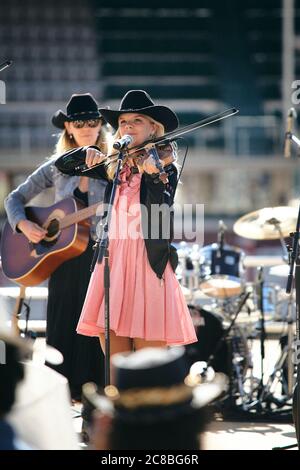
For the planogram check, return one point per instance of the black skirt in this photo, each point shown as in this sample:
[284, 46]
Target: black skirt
[83, 357]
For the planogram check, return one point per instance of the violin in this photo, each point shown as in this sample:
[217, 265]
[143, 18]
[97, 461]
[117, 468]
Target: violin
[163, 155]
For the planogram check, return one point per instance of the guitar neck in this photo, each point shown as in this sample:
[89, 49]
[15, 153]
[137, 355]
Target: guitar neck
[80, 215]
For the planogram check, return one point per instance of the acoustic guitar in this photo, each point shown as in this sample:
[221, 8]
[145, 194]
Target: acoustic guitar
[67, 236]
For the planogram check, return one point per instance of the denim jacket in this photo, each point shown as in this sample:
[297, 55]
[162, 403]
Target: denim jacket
[48, 176]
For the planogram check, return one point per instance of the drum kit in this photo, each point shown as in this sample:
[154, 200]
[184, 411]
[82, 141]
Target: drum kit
[229, 312]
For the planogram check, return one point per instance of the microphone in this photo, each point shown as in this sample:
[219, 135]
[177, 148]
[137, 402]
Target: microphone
[288, 134]
[5, 64]
[123, 142]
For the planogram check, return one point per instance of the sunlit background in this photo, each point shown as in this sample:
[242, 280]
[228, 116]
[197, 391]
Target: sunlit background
[198, 57]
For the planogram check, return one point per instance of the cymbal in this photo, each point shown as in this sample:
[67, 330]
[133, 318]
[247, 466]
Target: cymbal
[263, 261]
[267, 223]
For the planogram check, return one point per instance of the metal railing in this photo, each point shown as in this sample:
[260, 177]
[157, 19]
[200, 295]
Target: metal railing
[25, 130]
[253, 135]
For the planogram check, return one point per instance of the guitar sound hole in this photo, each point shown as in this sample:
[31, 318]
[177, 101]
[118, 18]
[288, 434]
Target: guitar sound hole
[52, 234]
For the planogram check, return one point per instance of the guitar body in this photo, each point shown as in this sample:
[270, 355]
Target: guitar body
[29, 263]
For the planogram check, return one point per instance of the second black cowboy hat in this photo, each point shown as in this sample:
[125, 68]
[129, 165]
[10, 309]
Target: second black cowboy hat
[138, 101]
[81, 107]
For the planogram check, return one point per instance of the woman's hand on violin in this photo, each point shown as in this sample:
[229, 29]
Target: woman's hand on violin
[94, 157]
[149, 165]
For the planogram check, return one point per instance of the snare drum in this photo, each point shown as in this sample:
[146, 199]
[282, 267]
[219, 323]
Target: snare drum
[221, 271]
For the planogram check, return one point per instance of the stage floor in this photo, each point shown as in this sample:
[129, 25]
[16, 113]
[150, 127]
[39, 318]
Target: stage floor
[227, 434]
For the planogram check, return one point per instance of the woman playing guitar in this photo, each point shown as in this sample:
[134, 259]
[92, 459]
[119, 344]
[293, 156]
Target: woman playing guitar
[81, 125]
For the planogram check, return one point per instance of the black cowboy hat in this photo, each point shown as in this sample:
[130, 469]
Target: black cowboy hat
[138, 101]
[80, 107]
[154, 384]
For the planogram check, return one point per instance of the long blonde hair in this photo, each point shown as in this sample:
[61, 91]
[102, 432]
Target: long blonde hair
[111, 165]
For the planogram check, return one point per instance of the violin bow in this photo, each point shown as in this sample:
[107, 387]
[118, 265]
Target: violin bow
[173, 135]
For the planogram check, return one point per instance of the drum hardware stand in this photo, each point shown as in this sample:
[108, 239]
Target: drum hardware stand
[187, 266]
[262, 329]
[277, 375]
[236, 361]
[264, 391]
[260, 387]
[264, 395]
[232, 358]
[195, 258]
[259, 393]
[286, 357]
[221, 236]
[276, 224]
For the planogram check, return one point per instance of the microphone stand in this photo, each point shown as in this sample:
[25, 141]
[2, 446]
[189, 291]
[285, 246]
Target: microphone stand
[260, 282]
[5, 64]
[230, 344]
[294, 260]
[101, 251]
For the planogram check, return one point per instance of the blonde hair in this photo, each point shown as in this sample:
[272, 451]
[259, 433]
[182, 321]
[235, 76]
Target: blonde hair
[64, 143]
[111, 165]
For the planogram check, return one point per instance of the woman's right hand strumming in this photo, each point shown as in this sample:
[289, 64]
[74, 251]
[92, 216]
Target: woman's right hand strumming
[94, 157]
[32, 231]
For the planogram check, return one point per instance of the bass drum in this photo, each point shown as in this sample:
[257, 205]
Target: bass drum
[221, 271]
[209, 329]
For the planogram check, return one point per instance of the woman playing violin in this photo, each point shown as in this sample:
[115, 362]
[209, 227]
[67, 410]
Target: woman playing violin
[147, 307]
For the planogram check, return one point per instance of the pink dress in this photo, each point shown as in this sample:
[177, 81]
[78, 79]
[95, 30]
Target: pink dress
[141, 304]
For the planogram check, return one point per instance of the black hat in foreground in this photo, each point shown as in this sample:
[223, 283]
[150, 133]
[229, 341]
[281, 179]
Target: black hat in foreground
[153, 384]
